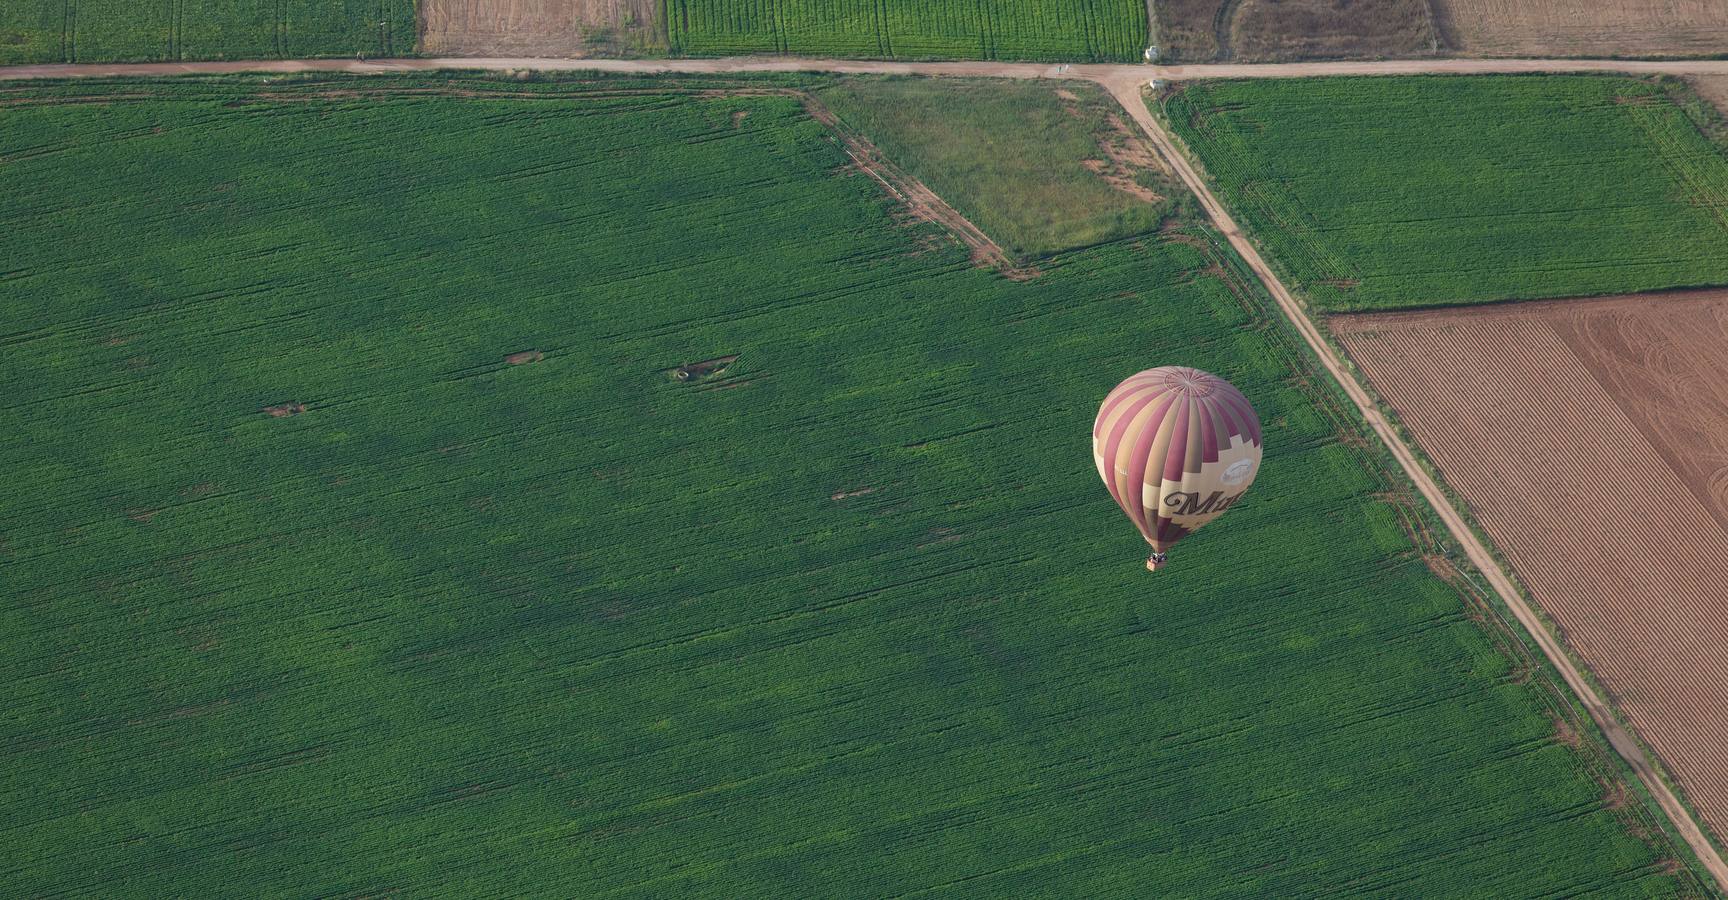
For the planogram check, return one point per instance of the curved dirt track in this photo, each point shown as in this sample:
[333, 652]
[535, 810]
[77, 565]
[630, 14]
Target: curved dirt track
[1125, 82]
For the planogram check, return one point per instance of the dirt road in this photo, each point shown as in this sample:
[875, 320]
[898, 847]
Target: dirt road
[1106, 74]
[1124, 82]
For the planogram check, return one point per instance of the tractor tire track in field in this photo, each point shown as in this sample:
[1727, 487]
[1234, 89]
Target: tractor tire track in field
[1124, 83]
[69, 31]
[1223, 25]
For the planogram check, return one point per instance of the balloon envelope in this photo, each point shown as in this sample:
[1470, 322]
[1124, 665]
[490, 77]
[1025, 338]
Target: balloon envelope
[1176, 447]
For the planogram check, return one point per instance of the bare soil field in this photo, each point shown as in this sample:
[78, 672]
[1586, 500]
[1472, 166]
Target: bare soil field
[1583, 27]
[1590, 439]
[567, 28]
[1277, 30]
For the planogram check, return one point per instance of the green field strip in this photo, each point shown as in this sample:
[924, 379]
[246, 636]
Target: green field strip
[49, 31]
[1055, 30]
[1389, 192]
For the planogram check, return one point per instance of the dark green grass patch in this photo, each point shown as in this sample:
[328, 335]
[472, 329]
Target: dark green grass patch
[52, 31]
[1039, 167]
[1074, 30]
[1387, 192]
[361, 536]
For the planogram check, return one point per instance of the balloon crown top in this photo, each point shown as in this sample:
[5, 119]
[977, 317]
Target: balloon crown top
[1192, 382]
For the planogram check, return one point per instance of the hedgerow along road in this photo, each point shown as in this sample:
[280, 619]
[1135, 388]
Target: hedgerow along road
[1124, 82]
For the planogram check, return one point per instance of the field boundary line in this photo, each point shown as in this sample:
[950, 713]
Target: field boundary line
[1619, 736]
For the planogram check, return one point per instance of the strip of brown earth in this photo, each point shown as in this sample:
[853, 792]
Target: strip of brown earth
[1104, 74]
[1268, 30]
[1585, 27]
[564, 28]
[1590, 439]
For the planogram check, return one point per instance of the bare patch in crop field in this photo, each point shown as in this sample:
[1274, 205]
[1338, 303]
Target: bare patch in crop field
[1615, 796]
[1129, 158]
[536, 27]
[1265, 30]
[698, 371]
[524, 357]
[1590, 438]
[1116, 180]
[283, 410]
[1583, 27]
[1567, 735]
[855, 492]
[1126, 154]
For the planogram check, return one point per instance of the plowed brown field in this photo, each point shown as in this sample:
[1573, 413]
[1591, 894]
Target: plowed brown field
[1583, 27]
[536, 27]
[1590, 439]
[1191, 31]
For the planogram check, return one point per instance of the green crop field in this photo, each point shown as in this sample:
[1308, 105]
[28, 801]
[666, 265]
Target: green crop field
[1040, 168]
[1388, 192]
[360, 536]
[50, 31]
[1071, 30]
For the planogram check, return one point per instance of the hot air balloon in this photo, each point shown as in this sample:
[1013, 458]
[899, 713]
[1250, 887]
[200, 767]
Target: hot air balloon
[1176, 447]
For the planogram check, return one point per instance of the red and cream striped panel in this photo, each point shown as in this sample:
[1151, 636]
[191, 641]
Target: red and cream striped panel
[1176, 447]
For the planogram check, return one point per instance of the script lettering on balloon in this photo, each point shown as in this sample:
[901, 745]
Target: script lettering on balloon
[1185, 503]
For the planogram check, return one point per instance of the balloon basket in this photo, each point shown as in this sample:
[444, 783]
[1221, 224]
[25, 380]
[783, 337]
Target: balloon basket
[1156, 561]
